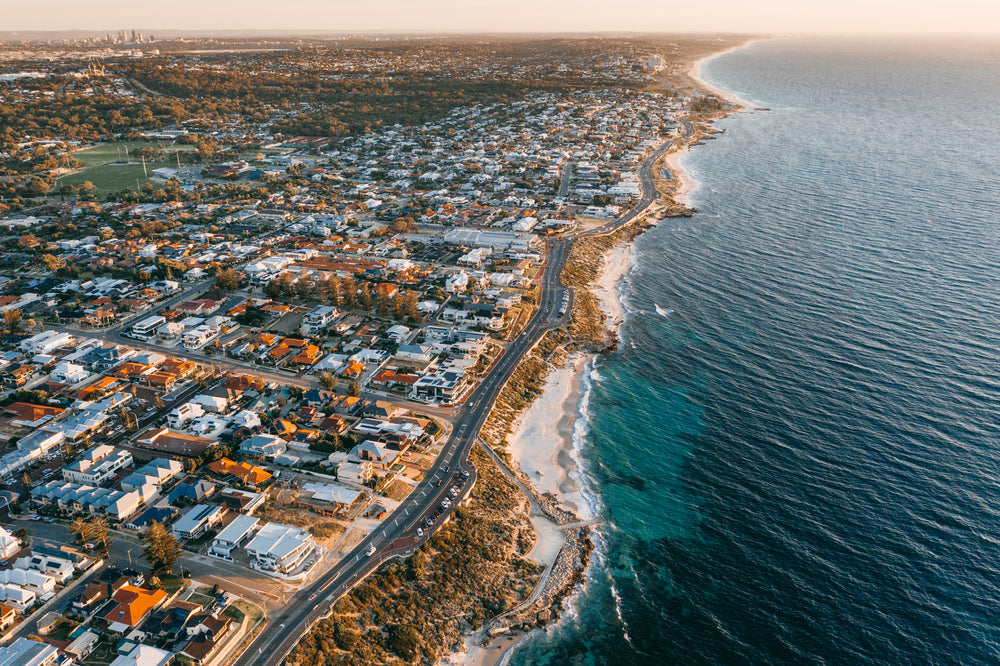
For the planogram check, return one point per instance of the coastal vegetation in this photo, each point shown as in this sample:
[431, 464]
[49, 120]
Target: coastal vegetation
[471, 570]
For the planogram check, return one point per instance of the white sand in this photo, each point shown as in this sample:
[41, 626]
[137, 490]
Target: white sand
[616, 263]
[695, 74]
[543, 437]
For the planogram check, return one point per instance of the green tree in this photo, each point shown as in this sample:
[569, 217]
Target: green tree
[162, 549]
[354, 390]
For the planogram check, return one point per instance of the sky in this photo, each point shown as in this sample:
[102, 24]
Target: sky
[741, 16]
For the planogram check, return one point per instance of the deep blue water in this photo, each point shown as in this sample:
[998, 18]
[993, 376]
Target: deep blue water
[801, 463]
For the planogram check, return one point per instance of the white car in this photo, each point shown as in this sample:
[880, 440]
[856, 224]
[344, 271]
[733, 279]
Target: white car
[371, 551]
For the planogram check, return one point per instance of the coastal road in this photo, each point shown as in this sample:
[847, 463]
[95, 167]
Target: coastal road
[649, 193]
[396, 536]
[287, 626]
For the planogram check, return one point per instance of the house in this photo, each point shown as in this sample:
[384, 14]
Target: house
[194, 491]
[421, 353]
[207, 633]
[27, 415]
[97, 465]
[211, 403]
[280, 548]
[242, 501]
[308, 356]
[377, 453]
[316, 320]
[69, 373]
[243, 472]
[8, 617]
[397, 333]
[144, 655]
[197, 521]
[97, 592]
[381, 409]
[133, 604]
[359, 473]
[58, 568]
[29, 579]
[263, 445]
[147, 328]
[9, 544]
[154, 514]
[347, 405]
[446, 386]
[172, 441]
[234, 535]
[46, 342]
[336, 496]
[24, 652]
[83, 645]
[18, 597]
[181, 415]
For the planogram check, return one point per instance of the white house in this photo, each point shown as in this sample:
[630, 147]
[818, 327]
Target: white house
[183, 414]
[46, 342]
[68, 373]
[280, 548]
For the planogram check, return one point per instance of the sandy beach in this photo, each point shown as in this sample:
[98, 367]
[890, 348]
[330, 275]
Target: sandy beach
[695, 74]
[542, 443]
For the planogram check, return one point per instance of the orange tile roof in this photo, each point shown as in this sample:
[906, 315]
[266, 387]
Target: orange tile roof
[353, 369]
[134, 603]
[245, 472]
[131, 369]
[309, 356]
[28, 412]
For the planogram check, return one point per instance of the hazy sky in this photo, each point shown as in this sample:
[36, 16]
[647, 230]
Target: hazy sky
[510, 15]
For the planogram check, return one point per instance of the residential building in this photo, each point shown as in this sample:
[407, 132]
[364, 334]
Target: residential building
[233, 535]
[245, 473]
[280, 548]
[196, 521]
[97, 465]
[146, 329]
[9, 544]
[133, 604]
[181, 415]
[264, 445]
[358, 473]
[144, 655]
[24, 652]
[316, 320]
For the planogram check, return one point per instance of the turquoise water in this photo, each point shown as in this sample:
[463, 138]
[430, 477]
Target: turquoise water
[801, 463]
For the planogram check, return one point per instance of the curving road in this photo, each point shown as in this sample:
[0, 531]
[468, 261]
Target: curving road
[396, 536]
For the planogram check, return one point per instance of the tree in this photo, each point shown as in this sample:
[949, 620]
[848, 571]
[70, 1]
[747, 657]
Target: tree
[162, 549]
[328, 380]
[12, 320]
[354, 390]
[53, 263]
[94, 531]
[404, 640]
[227, 279]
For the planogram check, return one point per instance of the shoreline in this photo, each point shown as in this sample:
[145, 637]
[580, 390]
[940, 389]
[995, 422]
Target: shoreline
[546, 449]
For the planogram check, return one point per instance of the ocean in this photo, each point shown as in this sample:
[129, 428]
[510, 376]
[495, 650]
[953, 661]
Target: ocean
[796, 447]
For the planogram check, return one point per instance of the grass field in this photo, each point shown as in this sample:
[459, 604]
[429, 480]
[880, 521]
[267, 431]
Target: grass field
[101, 167]
[112, 152]
[113, 177]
